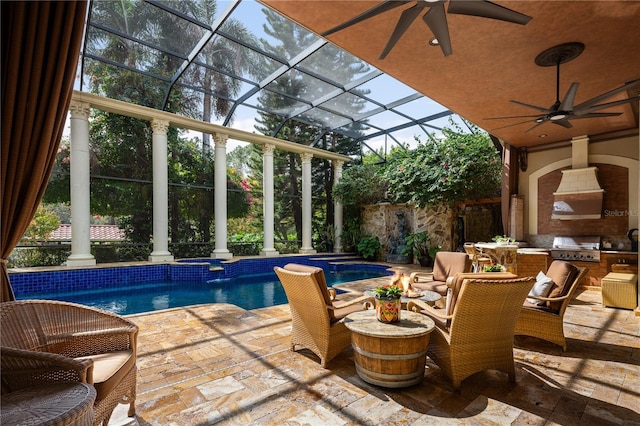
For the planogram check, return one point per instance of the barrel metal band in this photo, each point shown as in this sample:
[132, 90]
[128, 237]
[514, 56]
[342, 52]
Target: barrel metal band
[389, 357]
[389, 380]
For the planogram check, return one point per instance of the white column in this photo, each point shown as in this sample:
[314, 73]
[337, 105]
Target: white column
[268, 203]
[80, 187]
[337, 209]
[307, 247]
[160, 251]
[220, 197]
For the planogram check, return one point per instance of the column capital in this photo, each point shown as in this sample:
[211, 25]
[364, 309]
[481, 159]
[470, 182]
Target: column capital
[80, 109]
[220, 140]
[306, 157]
[159, 126]
[268, 149]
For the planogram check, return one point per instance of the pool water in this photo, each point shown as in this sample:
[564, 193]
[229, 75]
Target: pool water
[247, 291]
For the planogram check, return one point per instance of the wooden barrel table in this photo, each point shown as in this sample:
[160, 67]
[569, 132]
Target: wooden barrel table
[390, 355]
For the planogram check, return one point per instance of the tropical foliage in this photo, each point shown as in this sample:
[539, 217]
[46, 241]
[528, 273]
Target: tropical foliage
[461, 166]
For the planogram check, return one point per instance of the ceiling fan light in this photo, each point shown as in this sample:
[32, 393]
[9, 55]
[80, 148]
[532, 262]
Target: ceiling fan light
[557, 117]
[434, 42]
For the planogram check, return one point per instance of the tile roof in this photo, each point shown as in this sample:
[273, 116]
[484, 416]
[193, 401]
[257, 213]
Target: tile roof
[96, 233]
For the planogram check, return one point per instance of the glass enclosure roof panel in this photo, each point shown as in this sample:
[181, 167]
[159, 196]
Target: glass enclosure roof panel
[128, 53]
[248, 59]
[346, 69]
[387, 119]
[132, 20]
[203, 12]
[301, 86]
[351, 105]
[280, 105]
[321, 117]
[385, 89]
[421, 107]
[235, 59]
[253, 16]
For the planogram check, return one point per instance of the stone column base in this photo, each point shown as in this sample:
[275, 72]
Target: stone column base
[81, 260]
[269, 252]
[221, 254]
[160, 256]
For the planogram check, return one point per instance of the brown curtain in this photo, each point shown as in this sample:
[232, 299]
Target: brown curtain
[40, 48]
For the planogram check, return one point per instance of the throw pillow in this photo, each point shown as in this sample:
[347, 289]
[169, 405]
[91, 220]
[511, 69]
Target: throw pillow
[541, 288]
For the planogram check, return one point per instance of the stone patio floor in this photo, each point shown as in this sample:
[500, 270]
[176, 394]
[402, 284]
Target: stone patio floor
[220, 364]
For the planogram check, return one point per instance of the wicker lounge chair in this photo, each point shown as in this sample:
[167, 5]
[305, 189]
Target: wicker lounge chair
[446, 264]
[316, 321]
[45, 342]
[546, 322]
[478, 335]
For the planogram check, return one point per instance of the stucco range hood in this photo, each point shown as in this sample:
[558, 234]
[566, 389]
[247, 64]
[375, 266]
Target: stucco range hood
[578, 196]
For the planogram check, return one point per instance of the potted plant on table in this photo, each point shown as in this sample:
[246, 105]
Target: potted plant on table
[419, 243]
[388, 302]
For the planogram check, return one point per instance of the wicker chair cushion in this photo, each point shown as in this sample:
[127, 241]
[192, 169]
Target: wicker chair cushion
[562, 273]
[449, 263]
[541, 288]
[318, 275]
[109, 369]
[439, 287]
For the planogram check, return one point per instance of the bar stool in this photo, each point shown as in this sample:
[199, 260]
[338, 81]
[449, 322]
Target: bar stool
[478, 259]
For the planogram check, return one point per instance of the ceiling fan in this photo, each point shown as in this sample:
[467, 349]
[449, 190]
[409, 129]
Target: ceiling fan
[562, 111]
[435, 18]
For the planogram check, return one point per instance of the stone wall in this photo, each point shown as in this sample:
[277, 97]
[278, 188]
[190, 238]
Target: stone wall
[381, 220]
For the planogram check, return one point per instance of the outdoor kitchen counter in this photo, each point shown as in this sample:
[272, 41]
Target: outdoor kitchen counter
[532, 260]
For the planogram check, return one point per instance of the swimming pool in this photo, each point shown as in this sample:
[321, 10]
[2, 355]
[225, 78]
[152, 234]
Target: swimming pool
[247, 291]
[249, 283]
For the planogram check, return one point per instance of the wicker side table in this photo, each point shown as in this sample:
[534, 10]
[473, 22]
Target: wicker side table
[57, 404]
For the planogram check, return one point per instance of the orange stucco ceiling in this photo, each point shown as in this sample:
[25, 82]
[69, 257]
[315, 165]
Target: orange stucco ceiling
[493, 61]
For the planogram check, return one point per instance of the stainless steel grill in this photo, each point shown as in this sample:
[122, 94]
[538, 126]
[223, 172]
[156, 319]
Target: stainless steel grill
[584, 249]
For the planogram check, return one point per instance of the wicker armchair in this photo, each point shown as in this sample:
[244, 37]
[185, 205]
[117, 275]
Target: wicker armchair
[45, 341]
[479, 334]
[446, 264]
[316, 321]
[547, 322]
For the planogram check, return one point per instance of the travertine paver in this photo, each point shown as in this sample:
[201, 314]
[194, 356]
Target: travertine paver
[220, 364]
